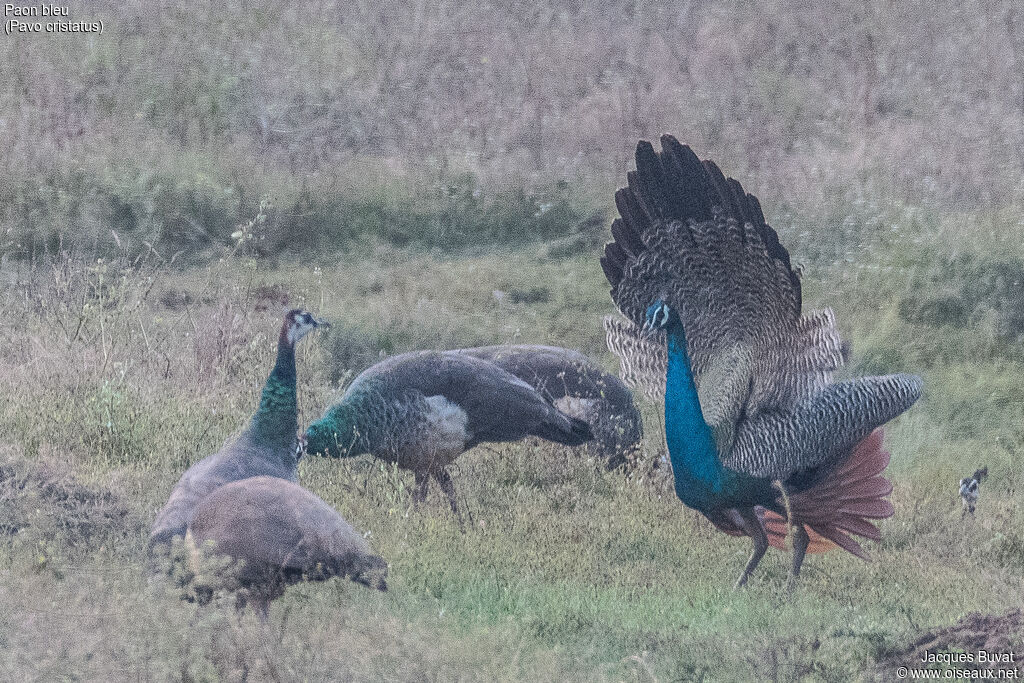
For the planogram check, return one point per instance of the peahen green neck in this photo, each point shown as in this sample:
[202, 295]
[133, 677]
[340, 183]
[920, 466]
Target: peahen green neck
[277, 419]
[699, 475]
[337, 433]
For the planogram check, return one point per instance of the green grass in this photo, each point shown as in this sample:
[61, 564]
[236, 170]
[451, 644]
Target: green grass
[125, 375]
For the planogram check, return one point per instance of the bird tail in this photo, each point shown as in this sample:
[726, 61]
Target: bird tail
[570, 431]
[841, 504]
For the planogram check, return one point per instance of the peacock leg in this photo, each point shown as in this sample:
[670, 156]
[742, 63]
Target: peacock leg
[800, 542]
[419, 493]
[749, 522]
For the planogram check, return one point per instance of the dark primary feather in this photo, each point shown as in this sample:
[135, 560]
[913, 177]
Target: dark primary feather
[499, 405]
[423, 409]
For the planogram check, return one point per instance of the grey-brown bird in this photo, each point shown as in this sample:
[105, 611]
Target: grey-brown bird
[423, 409]
[267, 446]
[577, 387]
[278, 533]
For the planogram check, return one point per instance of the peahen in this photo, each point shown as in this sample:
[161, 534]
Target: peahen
[278, 533]
[423, 409]
[577, 387]
[754, 423]
[267, 446]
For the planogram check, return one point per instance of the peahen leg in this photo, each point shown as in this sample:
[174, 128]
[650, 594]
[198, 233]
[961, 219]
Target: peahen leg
[444, 480]
[261, 605]
[747, 520]
[800, 542]
[419, 493]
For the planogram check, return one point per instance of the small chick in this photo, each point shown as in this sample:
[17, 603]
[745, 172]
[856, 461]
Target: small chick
[969, 490]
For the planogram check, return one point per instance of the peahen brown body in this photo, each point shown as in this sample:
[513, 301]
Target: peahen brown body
[267, 446]
[714, 322]
[278, 533]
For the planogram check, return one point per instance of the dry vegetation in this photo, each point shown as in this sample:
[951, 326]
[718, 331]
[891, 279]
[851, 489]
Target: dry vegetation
[391, 119]
[436, 176]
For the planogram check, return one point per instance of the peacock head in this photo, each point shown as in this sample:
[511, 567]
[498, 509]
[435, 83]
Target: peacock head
[659, 316]
[298, 323]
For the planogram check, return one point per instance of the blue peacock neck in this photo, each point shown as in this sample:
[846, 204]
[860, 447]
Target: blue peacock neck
[276, 421]
[696, 467]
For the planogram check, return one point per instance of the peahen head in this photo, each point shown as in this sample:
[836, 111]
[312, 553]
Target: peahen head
[659, 316]
[332, 436]
[297, 324]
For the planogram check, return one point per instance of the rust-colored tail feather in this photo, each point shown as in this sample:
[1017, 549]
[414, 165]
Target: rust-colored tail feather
[840, 505]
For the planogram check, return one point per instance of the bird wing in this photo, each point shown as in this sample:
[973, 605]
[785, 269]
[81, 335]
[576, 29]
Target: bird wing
[499, 406]
[643, 361]
[554, 371]
[576, 386]
[695, 239]
[692, 237]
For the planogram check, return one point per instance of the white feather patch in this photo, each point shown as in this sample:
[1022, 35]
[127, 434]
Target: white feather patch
[448, 426]
[581, 408]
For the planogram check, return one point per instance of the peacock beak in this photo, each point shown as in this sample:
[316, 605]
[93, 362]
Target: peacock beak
[647, 331]
[320, 323]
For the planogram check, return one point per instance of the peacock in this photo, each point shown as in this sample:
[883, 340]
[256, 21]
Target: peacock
[758, 432]
[267, 446]
[423, 409]
[278, 533]
[577, 387]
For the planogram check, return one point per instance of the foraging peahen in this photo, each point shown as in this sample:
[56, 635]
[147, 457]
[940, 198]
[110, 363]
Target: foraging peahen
[577, 387]
[749, 399]
[279, 533]
[267, 446]
[423, 409]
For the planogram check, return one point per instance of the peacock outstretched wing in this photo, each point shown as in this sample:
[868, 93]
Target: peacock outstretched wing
[695, 239]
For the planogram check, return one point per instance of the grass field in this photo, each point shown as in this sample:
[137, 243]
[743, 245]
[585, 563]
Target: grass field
[124, 376]
[434, 176]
